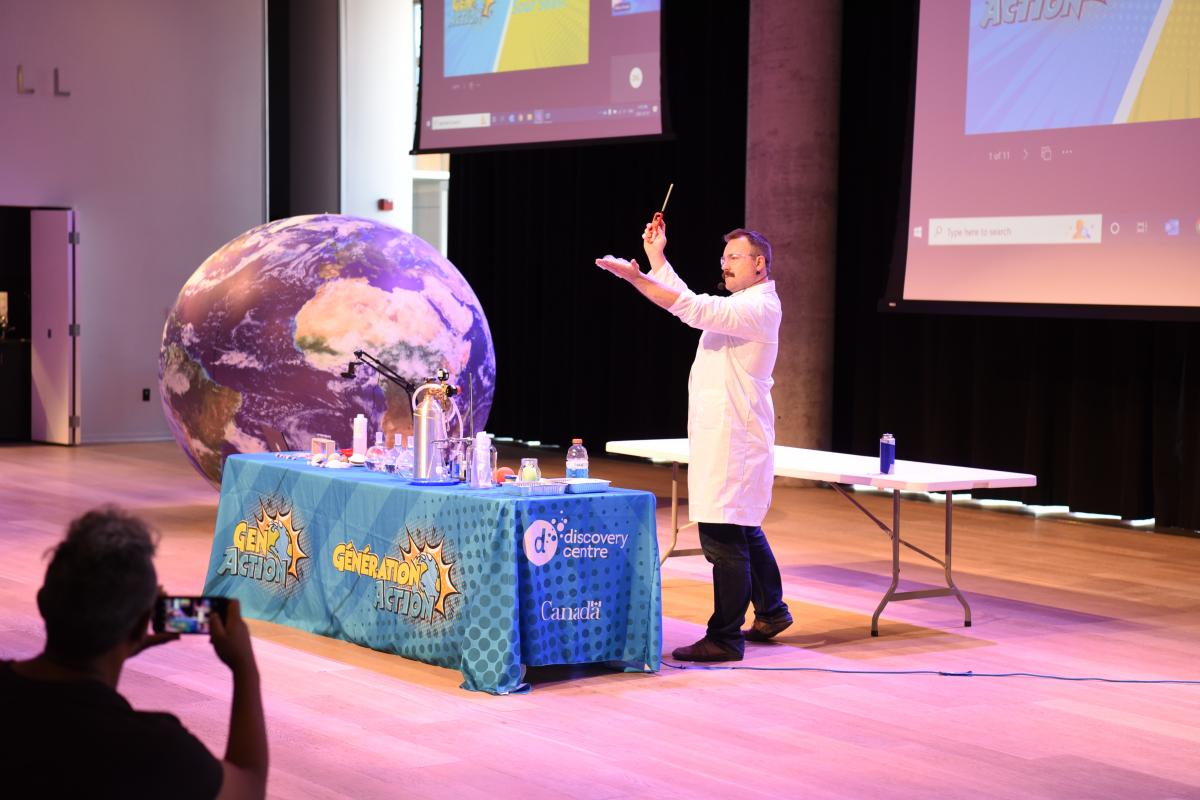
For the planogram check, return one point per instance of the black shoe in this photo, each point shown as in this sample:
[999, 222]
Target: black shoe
[763, 631]
[705, 650]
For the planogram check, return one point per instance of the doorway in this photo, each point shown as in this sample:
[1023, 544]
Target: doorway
[39, 360]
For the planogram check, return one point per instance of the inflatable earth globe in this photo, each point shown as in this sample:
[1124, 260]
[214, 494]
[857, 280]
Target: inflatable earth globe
[261, 335]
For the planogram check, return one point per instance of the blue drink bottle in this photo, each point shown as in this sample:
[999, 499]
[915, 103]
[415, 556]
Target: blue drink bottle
[887, 454]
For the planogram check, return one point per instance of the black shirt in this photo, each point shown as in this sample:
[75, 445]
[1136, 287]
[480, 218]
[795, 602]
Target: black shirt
[83, 739]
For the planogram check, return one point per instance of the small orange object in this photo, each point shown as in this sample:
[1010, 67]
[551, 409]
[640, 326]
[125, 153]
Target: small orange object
[499, 475]
[656, 225]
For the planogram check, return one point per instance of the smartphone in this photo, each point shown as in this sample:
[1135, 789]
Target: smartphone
[187, 614]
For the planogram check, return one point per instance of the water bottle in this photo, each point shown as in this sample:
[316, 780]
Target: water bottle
[577, 460]
[377, 454]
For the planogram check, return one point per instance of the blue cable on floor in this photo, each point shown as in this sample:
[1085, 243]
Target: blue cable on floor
[937, 672]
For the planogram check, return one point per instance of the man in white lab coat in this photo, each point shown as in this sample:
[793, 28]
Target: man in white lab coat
[731, 430]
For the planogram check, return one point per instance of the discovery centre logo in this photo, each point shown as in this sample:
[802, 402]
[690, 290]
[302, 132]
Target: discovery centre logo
[542, 540]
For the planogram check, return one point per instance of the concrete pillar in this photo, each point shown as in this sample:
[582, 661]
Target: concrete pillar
[791, 197]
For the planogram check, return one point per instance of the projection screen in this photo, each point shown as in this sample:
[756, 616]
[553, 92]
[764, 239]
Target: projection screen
[1055, 157]
[501, 73]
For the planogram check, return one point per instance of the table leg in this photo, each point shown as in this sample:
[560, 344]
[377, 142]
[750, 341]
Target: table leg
[949, 576]
[895, 537]
[893, 533]
[671, 551]
[674, 506]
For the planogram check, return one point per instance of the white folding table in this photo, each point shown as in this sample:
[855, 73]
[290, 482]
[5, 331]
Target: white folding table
[837, 469]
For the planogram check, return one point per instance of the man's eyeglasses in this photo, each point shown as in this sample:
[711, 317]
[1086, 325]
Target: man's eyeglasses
[732, 256]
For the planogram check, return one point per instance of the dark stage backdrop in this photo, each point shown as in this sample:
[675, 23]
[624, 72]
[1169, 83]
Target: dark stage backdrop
[578, 351]
[1105, 413]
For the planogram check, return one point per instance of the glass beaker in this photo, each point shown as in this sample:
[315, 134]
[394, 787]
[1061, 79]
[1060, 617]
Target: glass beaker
[441, 453]
[454, 460]
[322, 446]
[481, 471]
[529, 470]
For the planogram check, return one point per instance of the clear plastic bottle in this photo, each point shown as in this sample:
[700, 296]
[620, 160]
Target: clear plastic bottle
[377, 454]
[577, 460]
[393, 455]
[404, 465]
[359, 426]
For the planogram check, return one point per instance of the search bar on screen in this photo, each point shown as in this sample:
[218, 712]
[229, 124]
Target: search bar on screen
[1050, 229]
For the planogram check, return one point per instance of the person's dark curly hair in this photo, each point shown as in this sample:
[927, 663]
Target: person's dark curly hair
[100, 583]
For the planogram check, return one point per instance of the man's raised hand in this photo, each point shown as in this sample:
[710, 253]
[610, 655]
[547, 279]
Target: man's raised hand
[629, 270]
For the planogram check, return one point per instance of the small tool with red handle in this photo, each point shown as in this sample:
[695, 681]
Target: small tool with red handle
[656, 223]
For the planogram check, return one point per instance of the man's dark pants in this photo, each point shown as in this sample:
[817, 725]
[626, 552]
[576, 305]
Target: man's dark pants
[744, 571]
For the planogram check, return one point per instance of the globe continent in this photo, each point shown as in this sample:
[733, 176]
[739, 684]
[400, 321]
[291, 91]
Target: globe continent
[261, 333]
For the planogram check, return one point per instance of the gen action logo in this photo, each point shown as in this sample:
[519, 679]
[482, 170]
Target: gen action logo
[267, 551]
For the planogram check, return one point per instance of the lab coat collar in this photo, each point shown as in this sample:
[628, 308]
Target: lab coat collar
[759, 288]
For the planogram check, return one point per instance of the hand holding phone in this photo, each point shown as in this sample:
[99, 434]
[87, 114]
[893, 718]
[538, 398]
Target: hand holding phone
[231, 641]
[187, 614]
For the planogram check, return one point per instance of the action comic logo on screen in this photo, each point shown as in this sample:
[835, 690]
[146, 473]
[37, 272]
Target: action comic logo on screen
[415, 583]
[1009, 12]
[542, 540]
[267, 548]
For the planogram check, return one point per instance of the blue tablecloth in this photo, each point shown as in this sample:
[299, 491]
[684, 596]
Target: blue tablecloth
[477, 580]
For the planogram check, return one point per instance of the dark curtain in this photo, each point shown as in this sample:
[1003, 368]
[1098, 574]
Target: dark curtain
[1102, 411]
[578, 351]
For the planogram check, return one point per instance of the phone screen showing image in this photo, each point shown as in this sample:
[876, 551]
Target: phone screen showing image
[186, 614]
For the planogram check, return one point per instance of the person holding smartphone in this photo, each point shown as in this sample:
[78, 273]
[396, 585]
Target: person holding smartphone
[68, 732]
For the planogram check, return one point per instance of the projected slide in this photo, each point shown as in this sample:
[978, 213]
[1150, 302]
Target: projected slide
[1037, 64]
[1055, 156]
[510, 72]
[484, 36]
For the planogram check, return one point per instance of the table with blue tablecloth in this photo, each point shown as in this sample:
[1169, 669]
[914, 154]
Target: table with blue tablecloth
[477, 580]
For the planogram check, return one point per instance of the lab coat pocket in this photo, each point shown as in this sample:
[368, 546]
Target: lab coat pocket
[708, 409]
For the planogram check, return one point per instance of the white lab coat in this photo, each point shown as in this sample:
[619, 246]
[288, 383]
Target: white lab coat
[731, 419]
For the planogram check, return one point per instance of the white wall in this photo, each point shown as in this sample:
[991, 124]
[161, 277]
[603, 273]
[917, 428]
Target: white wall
[378, 109]
[159, 148]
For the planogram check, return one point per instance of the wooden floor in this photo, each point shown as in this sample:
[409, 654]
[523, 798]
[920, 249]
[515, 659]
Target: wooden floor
[1049, 597]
